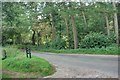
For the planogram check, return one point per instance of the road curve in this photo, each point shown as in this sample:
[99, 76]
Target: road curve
[81, 66]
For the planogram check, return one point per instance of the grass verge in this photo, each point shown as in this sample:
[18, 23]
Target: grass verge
[18, 65]
[111, 50]
[99, 51]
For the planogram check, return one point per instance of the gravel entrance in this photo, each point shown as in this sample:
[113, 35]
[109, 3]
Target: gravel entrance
[68, 72]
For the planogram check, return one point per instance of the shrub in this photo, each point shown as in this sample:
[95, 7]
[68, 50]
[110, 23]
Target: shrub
[93, 40]
[58, 43]
[11, 52]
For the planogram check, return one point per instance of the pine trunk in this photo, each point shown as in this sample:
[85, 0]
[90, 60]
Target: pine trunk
[67, 32]
[74, 33]
[107, 25]
[84, 18]
[53, 30]
[116, 24]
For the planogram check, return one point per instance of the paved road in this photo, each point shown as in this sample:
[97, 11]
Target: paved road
[81, 66]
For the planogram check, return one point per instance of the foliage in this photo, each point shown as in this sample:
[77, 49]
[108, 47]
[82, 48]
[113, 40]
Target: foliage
[44, 24]
[11, 52]
[93, 40]
[18, 62]
[58, 43]
[5, 76]
[100, 51]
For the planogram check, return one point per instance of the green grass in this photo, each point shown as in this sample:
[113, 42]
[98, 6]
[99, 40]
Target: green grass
[5, 76]
[19, 64]
[111, 50]
[106, 51]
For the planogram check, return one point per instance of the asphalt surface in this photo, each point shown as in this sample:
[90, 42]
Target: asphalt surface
[81, 66]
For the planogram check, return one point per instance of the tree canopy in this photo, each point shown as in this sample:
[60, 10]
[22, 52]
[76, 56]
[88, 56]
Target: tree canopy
[59, 25]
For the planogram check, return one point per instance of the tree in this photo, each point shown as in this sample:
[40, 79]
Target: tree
[44, 23]
[82, 5]
[72, 6]
[74, 32]
[107, 24]
[118, 8]
[116, 23]
[13, 20]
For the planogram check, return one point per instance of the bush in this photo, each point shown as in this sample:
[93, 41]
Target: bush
[95, 40]
[11, 52]
[58, 43]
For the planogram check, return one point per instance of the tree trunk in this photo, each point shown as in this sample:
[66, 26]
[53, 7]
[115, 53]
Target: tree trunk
[116, 24]
[84, 18]
[103, 25]
[118, 15]
[14, 39]
[107, 25]
[67, 32]
[83, 14]
[66, 23]
[53, 28]
[38, 40]
[74, 33]
[33, 37]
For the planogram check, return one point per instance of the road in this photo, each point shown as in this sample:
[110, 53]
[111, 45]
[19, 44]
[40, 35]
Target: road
[81, 66]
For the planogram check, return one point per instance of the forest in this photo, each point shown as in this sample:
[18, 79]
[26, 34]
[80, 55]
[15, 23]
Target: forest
[44, 29]
[61, 25]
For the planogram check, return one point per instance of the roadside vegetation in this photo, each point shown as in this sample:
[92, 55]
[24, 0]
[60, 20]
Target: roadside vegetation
[111, 50]
[66, 27]
[18, 65]
[58, 27]
[101, 51]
